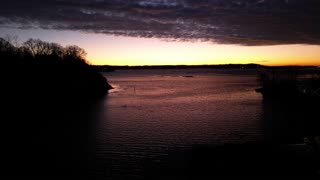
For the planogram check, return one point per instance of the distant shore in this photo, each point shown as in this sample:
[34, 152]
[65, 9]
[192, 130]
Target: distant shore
[110, 68]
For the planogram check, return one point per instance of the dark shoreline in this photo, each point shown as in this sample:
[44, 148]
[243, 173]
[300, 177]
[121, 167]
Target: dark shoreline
[47, 99]
[110, 68]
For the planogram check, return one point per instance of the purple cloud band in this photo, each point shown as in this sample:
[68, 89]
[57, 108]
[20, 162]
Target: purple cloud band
[245, 22]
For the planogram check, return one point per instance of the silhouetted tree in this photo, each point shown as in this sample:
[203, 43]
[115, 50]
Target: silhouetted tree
[14, 40]
[6, 46]
[57, 50]
[38, 47]
[30, 45]
[75, 54]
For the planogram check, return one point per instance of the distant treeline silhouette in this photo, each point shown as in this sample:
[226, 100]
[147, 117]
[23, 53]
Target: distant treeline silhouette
[109, 68]
[37, 67]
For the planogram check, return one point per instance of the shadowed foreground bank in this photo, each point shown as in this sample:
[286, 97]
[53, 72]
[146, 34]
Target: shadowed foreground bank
[47, 96]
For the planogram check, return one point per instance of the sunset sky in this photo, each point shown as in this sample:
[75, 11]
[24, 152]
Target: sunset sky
[170, 32]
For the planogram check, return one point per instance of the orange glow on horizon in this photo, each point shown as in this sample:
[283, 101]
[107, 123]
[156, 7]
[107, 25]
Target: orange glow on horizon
[105, 49]
[141, 51]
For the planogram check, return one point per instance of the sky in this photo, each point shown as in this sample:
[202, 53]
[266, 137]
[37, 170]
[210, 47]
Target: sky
[171, 32]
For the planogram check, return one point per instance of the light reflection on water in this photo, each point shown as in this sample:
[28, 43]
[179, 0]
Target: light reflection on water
[151, 112]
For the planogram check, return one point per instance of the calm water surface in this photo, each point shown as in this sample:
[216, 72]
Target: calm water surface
[152, 112]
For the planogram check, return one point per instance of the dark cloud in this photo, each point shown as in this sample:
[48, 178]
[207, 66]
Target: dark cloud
[246, 22]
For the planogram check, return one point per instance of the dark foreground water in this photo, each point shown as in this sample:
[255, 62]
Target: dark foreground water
[160, 124]
[166, 123]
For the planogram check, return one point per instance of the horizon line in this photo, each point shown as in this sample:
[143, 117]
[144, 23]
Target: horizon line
[227, 64]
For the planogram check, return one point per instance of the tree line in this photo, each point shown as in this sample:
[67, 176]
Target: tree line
[44, 67]
[32, 49]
